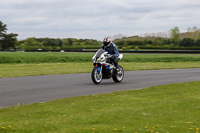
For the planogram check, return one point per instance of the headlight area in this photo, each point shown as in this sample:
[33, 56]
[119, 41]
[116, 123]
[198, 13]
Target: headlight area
[100, 59]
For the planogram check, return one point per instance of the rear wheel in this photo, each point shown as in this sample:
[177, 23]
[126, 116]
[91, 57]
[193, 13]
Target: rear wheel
[119, 75]
[96, 75]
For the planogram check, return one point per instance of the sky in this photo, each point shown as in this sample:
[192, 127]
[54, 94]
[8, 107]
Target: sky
[95, 19]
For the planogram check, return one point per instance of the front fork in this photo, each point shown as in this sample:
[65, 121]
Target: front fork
[99, 67]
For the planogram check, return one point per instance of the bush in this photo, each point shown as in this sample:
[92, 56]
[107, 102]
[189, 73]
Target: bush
[136, 48]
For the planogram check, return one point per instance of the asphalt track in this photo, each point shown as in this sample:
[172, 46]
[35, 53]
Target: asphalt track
[31, 89]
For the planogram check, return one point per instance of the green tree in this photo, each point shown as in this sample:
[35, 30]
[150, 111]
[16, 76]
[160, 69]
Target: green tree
[197, 43]
[70, 41]
[9, 41]
[65, 42]
[187, 42]
[2, 29]
[6, 40]
[193, 33]
[158, 42]
[175, 35]
[23, 45]
[2, 32]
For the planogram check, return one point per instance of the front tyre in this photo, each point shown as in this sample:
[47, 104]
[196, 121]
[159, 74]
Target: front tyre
[119, 75]
[96, 75]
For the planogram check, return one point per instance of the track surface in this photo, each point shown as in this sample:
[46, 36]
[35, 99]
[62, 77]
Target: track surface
[31, 89]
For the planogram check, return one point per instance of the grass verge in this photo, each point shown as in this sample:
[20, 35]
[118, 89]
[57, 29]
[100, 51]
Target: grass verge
[59, 57]
[160, 109]
[15, 70]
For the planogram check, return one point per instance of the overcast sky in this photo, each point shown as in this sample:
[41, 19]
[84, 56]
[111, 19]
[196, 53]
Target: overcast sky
[95, 19]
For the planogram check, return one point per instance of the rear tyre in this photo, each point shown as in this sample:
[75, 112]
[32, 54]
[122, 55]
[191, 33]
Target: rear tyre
[96, 77]
[119, 75]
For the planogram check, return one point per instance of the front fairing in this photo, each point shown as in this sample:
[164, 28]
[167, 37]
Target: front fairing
[99, 57]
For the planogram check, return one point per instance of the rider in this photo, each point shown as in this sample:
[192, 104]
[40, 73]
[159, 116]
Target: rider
[111, 48]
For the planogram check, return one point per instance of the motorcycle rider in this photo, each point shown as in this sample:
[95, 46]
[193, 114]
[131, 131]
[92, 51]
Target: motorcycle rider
[111, 48]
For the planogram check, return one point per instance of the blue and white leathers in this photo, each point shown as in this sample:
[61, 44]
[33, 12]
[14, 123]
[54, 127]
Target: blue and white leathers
[112, 49]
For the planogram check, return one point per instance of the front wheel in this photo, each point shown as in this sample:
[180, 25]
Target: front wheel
[119, 75]
[96, 75]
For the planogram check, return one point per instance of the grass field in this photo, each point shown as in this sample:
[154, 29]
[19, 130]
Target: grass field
[59, 57]
[43, 57]
[14, 64]
[160, 109]
[32, 69]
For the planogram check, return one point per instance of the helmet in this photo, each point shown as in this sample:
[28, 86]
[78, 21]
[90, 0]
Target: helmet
[106, 41]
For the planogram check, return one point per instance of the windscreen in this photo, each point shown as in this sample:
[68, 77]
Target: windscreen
[99, 52]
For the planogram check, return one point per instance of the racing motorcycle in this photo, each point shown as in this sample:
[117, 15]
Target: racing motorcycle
[104, 67]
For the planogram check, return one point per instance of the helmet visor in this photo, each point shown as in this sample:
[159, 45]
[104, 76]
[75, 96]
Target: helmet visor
[106, 43]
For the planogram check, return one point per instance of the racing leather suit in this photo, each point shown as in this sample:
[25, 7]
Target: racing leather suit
[112, 49]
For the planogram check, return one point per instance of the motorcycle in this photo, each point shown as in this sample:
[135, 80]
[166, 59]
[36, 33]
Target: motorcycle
[104, 67]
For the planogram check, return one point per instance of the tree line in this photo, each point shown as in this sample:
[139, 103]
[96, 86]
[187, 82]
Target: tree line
[175, 40]
[57, 44]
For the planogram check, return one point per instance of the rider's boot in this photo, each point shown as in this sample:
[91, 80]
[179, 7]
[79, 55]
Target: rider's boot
[116, 66]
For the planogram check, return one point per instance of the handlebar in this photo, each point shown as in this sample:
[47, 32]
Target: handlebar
[109, 55]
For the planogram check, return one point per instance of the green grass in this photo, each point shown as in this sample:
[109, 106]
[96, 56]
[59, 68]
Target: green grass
[44, 57]
[161, 58]
[13, 64]
[59, 57]
[162, 109]
[16, 70]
